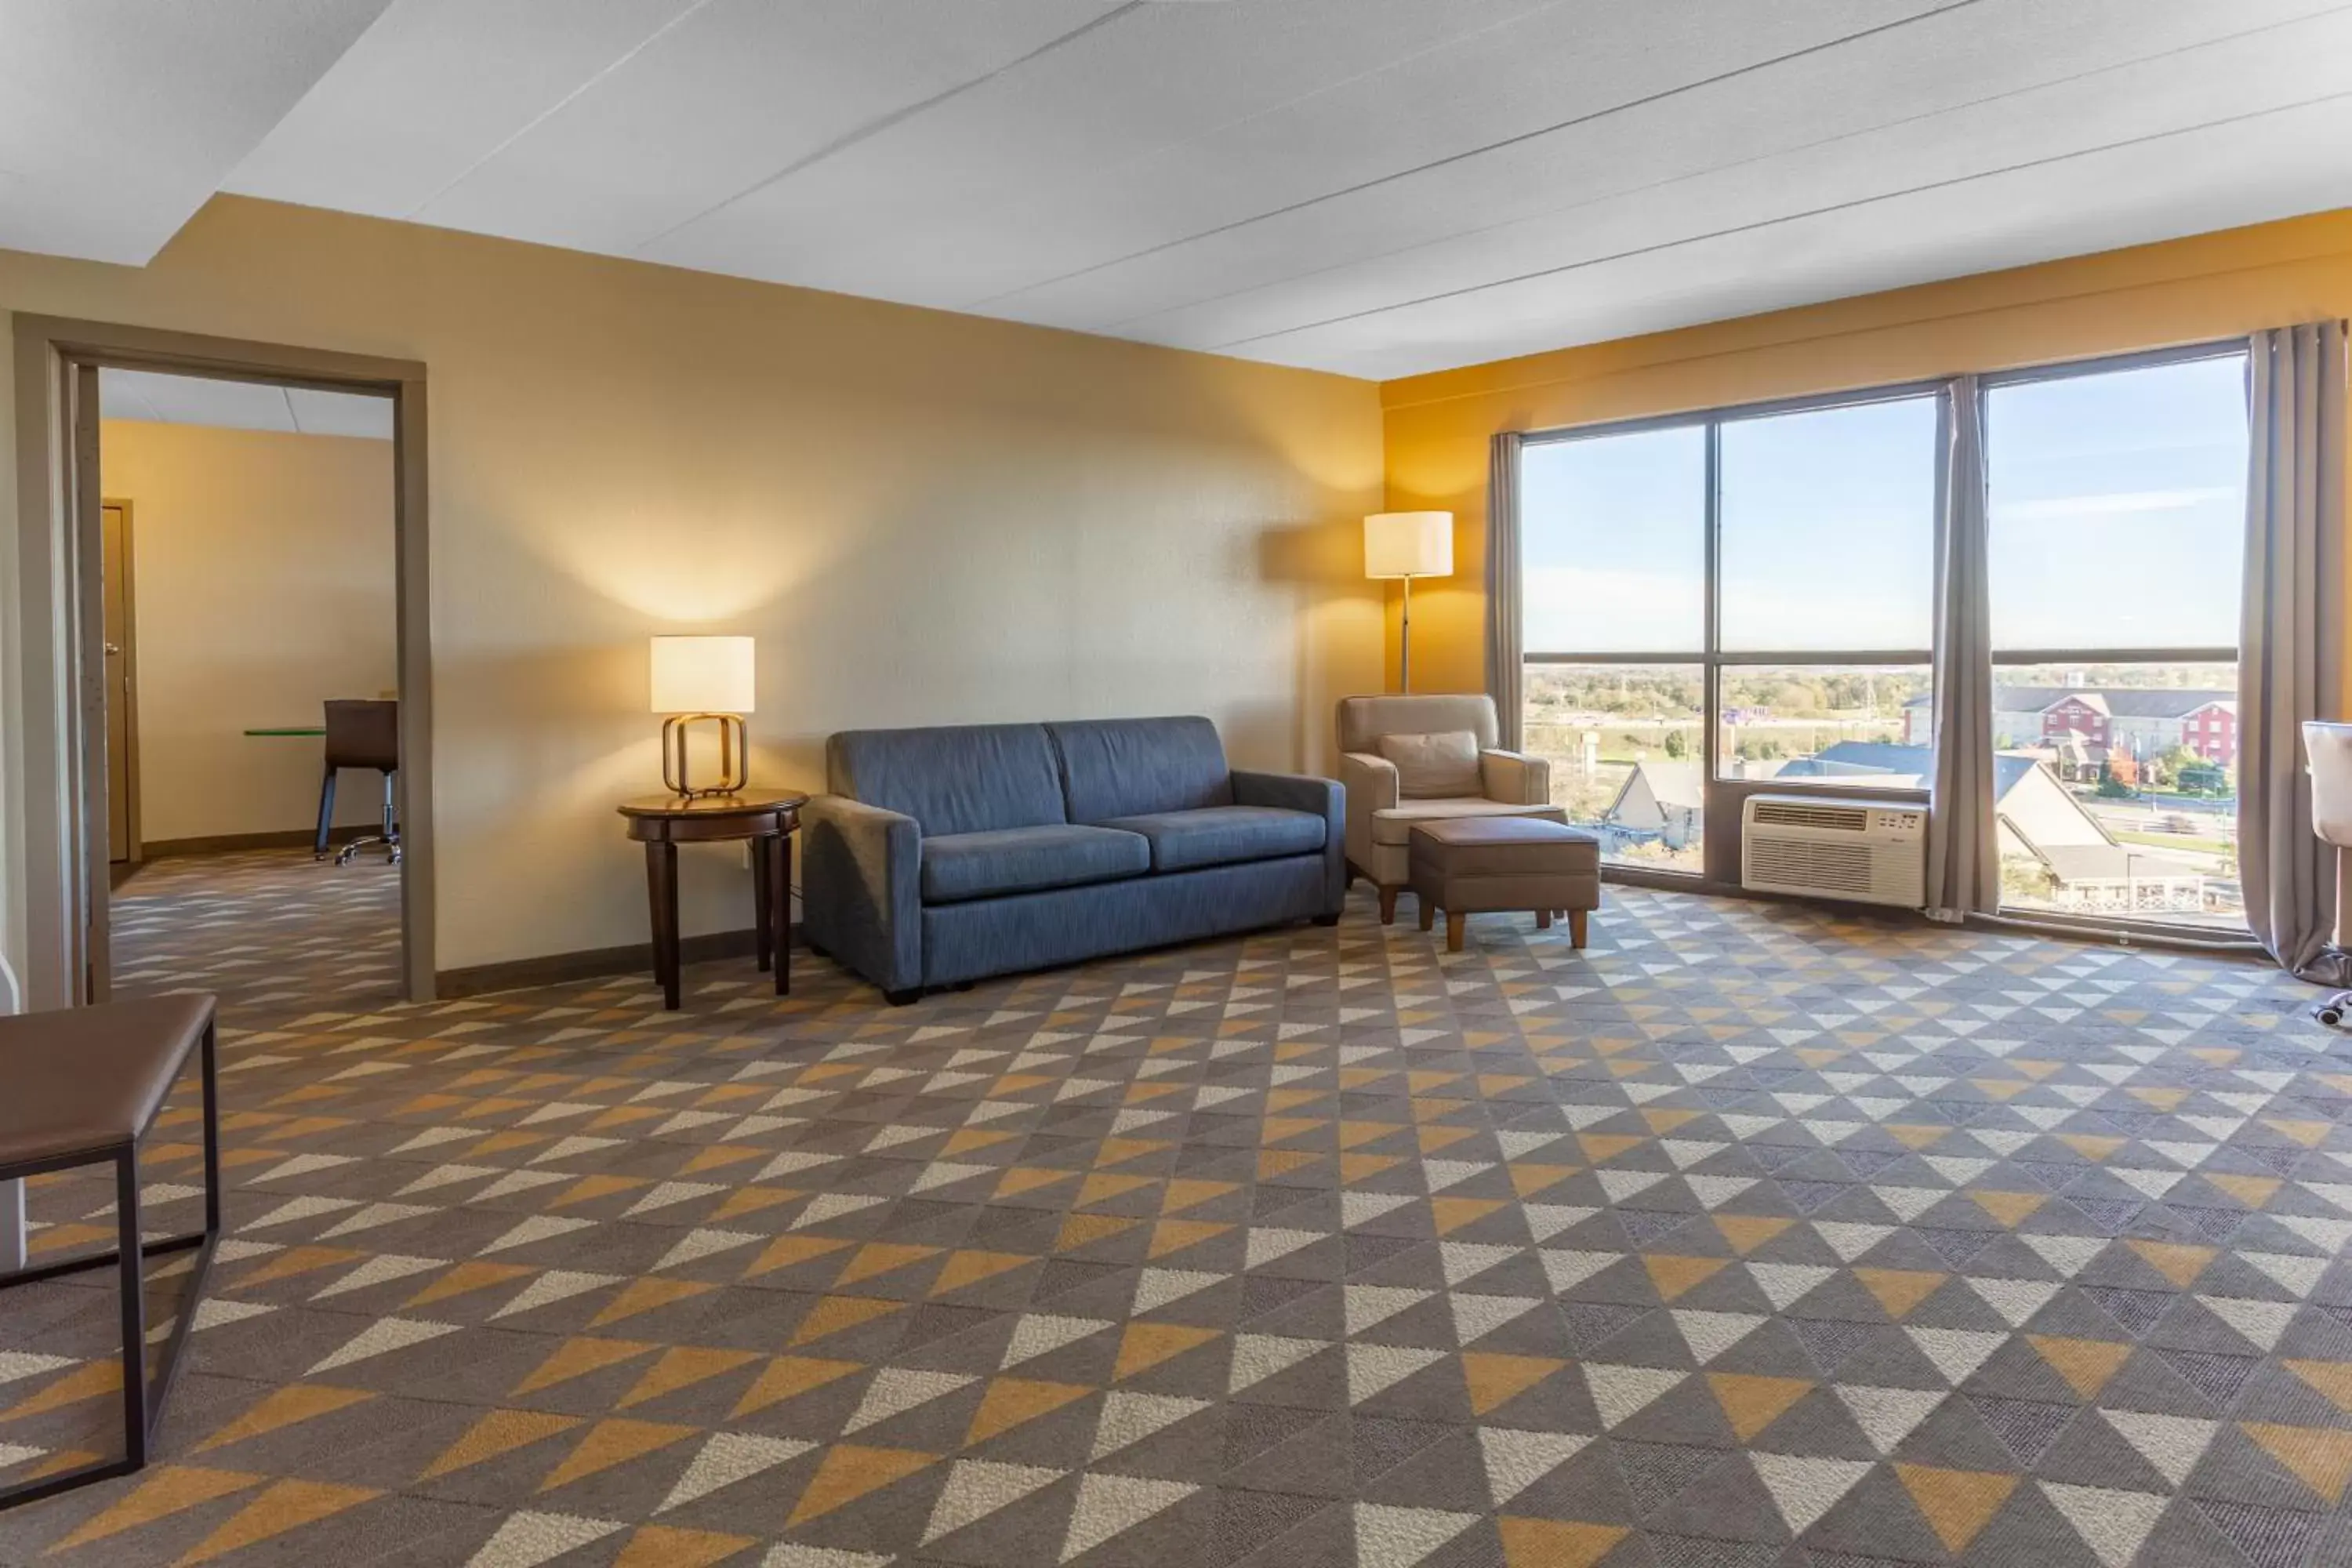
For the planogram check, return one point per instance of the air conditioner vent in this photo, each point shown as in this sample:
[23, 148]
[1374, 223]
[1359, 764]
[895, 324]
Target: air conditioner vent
[1863, 850]
[1808, 813]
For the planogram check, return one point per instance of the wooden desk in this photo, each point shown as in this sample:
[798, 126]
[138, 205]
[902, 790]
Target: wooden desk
[767, 818]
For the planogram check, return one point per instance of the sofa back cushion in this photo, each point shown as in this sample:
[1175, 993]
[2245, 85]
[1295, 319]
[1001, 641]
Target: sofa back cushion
[965, 778]
[1130, 767]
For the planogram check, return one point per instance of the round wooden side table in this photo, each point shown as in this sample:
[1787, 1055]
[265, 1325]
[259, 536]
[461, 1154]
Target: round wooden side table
[767, 818]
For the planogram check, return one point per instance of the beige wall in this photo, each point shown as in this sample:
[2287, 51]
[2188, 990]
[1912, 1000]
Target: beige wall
[2182, 292]
[263, 569]
[923, 517]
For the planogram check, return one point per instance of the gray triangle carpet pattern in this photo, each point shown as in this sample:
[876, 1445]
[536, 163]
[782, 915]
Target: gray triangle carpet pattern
[1750, 1237]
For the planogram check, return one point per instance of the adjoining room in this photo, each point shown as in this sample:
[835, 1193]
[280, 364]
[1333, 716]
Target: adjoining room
[1387, 783]
[252, 686]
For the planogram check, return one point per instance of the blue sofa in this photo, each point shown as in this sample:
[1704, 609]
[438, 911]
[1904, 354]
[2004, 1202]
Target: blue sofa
[945, 855]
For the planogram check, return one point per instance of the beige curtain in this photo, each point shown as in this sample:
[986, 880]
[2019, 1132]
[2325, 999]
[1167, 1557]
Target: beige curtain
[2291, 666]
[1963, 856]
[1503, 624]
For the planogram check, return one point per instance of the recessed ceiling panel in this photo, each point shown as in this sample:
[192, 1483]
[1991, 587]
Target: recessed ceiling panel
[1374, 186]
[119, 117]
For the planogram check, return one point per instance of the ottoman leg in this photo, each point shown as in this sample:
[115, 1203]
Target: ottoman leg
[1543, 920]
[1453, 930]
[1428, 911]
[1576, 927]
[1387, 905]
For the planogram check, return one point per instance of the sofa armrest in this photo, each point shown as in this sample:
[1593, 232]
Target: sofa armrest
[1516, 777]
[1371, 785]
[1325, 799]
[861, 888]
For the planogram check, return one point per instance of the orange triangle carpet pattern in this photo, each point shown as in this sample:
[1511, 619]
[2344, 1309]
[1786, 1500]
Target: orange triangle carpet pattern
[1750, 1237]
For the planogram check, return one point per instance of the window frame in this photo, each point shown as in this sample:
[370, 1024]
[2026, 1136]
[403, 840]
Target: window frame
[1723, 796]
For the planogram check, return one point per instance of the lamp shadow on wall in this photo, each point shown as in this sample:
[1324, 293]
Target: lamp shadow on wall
[1339, 646]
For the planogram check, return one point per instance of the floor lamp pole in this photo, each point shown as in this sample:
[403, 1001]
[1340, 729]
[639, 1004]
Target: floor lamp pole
[1405, 624]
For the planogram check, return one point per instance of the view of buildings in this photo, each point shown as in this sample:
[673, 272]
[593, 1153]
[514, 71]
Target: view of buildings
[2114, 785]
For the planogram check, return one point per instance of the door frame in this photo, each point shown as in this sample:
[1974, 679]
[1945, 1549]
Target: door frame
[54, 759]
[137, 846]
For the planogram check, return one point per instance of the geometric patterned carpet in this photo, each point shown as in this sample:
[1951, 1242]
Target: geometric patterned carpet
[1750, 1237]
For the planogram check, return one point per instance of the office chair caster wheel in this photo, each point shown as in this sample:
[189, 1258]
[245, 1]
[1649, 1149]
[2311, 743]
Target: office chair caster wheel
[2332, 1011]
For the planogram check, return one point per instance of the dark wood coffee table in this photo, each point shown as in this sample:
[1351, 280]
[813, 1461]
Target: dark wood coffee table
[767, 818]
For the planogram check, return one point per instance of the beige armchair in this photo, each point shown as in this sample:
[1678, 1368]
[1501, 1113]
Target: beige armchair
[1380, 818]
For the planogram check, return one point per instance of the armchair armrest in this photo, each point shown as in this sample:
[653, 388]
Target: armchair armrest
[1371, 785]
[1299, 792]
[1516, 777]
[861, 888]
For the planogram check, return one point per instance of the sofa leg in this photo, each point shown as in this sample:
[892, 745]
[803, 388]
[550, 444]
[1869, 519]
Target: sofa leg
[1330, 919]
[1576, 927]
[901, 998]
[1543, 920]
[1453, 923]
[1387, 905]
[816, 952]
[1428, 911]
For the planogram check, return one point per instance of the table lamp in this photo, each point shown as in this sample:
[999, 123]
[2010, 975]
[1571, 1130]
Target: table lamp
[1409, 544]
[696, 678]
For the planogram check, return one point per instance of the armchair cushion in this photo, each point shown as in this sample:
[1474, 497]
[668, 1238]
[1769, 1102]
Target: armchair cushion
[1222, 834]
[1393, 824]
[1024, 859]
[1428, 766]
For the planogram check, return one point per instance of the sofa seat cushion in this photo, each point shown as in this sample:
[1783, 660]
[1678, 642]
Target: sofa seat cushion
[1394, 823]
[960, 865]
[1223, 834]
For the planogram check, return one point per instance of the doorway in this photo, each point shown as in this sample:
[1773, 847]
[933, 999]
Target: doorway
[82, 719]
[264, 623]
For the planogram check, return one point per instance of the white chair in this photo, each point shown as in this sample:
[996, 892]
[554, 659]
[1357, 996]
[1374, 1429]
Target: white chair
[1380, 818]
[2328, 748]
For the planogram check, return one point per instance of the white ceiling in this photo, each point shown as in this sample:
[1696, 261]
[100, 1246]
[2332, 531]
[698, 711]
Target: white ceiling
[119, 117]
[240, 405]
[1371, 186]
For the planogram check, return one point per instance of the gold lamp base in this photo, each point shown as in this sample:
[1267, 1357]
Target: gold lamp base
[734, 755]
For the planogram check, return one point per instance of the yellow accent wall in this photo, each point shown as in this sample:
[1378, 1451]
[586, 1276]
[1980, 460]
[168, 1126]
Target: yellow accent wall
[2182, 292]
[924, 518]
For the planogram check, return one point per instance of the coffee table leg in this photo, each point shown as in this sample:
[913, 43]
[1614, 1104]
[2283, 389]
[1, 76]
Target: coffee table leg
[762, 921]
[661, 894]
[780, 889]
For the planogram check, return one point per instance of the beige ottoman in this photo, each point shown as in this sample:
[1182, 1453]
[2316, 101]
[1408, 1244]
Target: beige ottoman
[1474, 865]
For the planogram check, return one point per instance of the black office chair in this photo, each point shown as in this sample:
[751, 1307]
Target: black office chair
[361, 735]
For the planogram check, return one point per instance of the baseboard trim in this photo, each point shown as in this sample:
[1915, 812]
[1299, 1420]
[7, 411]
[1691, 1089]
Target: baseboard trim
[592, 963]
[224, 843]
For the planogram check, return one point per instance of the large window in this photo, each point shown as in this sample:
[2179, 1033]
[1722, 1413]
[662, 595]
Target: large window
[1746, 600]
[2116, 530]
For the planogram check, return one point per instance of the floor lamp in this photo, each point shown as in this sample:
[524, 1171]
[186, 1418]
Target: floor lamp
[1408, 544]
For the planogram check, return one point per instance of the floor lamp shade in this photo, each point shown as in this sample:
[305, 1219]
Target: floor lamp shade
[1409, 544]
[703, 679]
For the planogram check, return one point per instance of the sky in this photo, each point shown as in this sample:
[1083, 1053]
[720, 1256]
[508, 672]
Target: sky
[2117, 520]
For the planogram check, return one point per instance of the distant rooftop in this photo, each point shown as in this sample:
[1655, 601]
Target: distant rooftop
[2121, 701]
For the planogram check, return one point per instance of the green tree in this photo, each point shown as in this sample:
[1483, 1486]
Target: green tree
[1677, 745]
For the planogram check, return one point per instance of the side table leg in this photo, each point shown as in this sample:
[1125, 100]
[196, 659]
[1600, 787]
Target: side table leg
[661, 895]
[780, 915]
[763, 905]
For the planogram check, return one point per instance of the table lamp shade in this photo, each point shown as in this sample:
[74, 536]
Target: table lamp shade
[1409, 544]
[702, 675]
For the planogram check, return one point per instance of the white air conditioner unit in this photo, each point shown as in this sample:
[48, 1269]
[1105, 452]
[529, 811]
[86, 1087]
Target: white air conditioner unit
[1859, 850]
